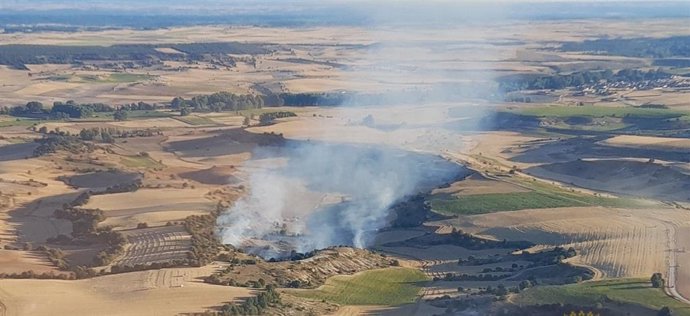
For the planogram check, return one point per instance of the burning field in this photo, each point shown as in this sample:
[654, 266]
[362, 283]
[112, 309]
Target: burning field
[325, 195]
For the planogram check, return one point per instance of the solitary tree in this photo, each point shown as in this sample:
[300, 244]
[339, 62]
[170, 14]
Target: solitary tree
[34, 107]
[246, 121]
[184, 111]
[120, 115]
[657, 280]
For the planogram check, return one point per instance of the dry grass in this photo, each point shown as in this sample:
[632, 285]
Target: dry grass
[621, 243]
[145, 293]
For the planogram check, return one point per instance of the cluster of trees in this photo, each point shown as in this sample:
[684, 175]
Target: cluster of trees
[410, 212]
[71, 109]
[139, 106]
[226, 101]
[57, 257]
[84, 221]
[471, 277]
[120, 115]
[30, 108]
[124, 187]
[459, 238]
[253, 305]
[312, 99]
[267, 118]
[218, 279]
[554, 256]
[559, 81]
[542, 258]
[218, 102]
[205, 244]
[115, 242]
[85, 227]
[52, 142]
[151, 266]
[500, 290]
[108, 135]
[33, 275]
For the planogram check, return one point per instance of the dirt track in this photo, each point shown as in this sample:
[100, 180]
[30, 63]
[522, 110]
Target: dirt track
[672, 261]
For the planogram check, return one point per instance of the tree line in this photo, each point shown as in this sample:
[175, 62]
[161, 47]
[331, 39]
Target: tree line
[19, 55]
[559, 81]
[71, 109]
[675, 46]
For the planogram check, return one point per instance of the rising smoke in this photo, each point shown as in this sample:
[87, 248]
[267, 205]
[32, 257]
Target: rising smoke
[366, 181]
[369, 181]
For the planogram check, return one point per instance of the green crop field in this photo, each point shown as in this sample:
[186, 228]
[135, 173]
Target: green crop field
[392, 286]
[543, 196]
[195, 120]
[632, 291]
[11, 121]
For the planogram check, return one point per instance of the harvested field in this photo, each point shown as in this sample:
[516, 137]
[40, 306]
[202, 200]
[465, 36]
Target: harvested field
[620, 243]
[682, 257]
[103, 179]
[18, 261]
[669, 143]
[150, 245]
[152, 206]
[137, 293]
[621, 176]
[216, 175]
[478, 184]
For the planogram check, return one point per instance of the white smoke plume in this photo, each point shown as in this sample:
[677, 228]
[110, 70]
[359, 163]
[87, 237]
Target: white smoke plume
[355, 184]
[369, 181]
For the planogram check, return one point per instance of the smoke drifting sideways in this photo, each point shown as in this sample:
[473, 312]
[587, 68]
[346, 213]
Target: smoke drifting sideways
[370, 180]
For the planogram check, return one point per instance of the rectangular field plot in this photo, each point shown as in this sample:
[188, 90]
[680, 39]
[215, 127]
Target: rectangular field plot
[160, 244]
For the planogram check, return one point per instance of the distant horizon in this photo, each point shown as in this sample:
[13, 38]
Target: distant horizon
[157, 13]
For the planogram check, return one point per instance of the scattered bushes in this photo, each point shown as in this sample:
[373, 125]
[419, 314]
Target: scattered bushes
[205, 245]
[52, 142]
[253, 305]
[267, 118]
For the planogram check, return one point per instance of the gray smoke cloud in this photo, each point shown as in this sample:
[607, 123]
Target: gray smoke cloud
[365, 181]
[340, 194]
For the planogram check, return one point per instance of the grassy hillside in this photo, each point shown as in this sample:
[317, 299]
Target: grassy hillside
[392, 286]
[632, 291]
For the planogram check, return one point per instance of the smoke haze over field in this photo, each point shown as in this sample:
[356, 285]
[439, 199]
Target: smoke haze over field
[369, 179]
